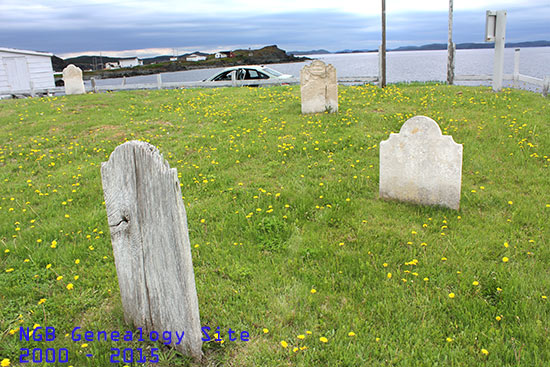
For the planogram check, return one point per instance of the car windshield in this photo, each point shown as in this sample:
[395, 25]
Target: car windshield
[273, 72]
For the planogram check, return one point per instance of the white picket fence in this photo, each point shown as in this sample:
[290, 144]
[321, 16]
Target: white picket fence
[516, 77]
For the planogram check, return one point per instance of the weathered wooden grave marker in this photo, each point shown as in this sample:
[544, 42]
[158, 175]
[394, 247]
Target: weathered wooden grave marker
[150, 240]
[421, 165]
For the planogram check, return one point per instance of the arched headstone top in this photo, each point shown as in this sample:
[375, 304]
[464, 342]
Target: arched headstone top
[420, 125]
[72, 71]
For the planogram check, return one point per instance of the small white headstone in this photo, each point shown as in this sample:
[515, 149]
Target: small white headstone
[420, 165]
[72, 77]
[319, 88]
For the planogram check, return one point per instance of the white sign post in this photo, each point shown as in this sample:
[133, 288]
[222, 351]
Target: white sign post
[495, 31]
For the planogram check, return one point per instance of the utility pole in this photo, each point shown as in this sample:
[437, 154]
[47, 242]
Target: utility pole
[383, 61]
[450, 48]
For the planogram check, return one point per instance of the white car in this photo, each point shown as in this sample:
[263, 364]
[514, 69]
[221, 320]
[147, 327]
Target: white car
[250, 72]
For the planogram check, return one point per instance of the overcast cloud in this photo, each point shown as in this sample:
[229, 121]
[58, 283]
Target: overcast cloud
[87, 26]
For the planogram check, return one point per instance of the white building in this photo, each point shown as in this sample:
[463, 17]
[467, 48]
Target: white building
[194, 57]
[24, 71]
[112, 65]
[130, 63]
[220, 55]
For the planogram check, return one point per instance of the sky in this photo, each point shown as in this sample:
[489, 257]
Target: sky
[127, 28]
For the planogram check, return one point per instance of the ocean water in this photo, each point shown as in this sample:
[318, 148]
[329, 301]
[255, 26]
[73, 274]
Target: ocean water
[402, 66]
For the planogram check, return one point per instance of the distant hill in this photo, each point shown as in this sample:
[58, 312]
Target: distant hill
[472, 45]
[432, 46]
[311, 52]
[159, 64]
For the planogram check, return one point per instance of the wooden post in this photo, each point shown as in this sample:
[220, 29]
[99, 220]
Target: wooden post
[380, 66]
[516, 67]
[159, 81]
[450, 48]
[234, 78]
[383, 63]
[546, 86]
[148, 226]
[500, 33]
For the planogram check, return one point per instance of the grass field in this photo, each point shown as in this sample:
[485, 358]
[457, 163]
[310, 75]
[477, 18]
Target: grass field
[289, 239]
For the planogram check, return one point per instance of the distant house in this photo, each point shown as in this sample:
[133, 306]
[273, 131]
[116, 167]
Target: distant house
[228, 53]
[23, 71]
[174, 58]
[195, 57]
[112, 65]
[220, 55]
[130, 63]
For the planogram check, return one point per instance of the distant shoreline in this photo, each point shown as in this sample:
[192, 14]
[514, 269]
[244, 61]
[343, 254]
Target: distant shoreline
[429, 47]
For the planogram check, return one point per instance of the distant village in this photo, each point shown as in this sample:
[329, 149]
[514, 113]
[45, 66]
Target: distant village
[195, 57]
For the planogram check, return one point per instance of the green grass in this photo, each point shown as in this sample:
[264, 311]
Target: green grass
[280, 204]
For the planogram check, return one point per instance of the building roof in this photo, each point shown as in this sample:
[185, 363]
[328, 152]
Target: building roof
[26, 52]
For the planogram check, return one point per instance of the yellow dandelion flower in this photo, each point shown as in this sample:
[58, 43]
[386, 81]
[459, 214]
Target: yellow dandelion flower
[485, 351]
[284, 344]
[5, 362]
[59, 277]
[70, 286]
[451, 295]
[351, 333]
[77, 261]
[9, 270]
[308, 332]
[313, 291]
[498, 318]
[385, 265]
[510, 202]
[48, 266]
[265, 331]
[389, 275]
[301, 336]
[505, 259]
[295, 349]
[449, 339]
[42, 300]
[323, 339]
[84, 345]
[475, 282]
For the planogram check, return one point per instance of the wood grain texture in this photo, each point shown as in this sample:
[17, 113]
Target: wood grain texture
[150, 241]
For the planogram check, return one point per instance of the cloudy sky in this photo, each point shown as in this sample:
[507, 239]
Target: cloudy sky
[145, 28]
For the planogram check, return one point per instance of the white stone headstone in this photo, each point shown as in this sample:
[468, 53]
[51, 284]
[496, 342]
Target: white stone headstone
[319, 88]
[420, 165]
[72, 77]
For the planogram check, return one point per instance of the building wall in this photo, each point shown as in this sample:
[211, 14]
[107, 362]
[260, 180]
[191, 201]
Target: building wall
[39, 69]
